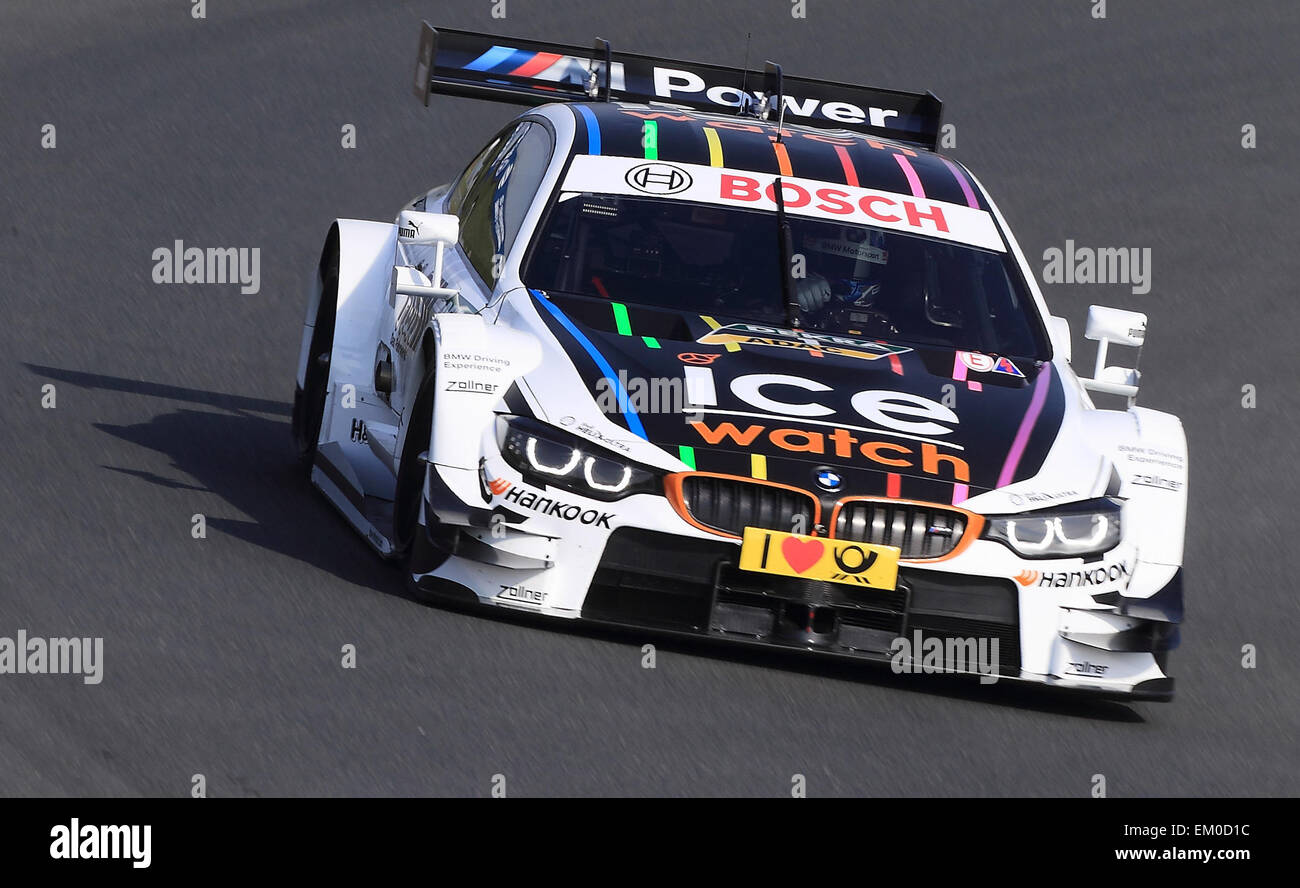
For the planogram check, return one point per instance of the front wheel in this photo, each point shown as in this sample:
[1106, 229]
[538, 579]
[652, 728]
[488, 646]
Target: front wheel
[422, 545]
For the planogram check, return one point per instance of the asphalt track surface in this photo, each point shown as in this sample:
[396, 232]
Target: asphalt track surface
[222, 656]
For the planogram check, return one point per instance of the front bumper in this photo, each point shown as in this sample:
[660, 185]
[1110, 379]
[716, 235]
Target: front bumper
[687, 585]
[658, 579]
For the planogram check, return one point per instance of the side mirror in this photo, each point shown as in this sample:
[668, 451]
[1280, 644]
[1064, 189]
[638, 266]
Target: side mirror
[1113, 325]
[1058, 330]
[1116, 325]
[427, 229]
[416, 229]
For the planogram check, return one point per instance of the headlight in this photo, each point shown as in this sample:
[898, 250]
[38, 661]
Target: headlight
[548, 456]
[1087, 528]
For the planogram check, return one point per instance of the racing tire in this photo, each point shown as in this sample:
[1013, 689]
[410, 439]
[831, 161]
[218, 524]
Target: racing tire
[419, 540]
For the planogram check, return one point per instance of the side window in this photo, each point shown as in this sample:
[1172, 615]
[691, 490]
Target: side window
[456, 204]
[498, 189]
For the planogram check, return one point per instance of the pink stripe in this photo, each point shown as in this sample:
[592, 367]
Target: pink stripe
[1041, 385]
[975, 386]
[960, 493]
[958, 368]
[963, 182]
[913, 180]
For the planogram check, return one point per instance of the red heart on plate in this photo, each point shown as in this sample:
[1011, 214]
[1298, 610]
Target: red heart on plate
[801, 554]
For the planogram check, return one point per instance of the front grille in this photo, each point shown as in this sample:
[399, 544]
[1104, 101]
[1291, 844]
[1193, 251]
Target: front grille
[732, 504]
[919, 531]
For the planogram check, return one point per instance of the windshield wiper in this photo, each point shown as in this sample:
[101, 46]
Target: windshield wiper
[785, 246]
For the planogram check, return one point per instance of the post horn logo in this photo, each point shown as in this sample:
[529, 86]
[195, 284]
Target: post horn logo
[697, 358]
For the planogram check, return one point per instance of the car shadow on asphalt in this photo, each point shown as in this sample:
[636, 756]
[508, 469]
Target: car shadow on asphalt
[243, 453]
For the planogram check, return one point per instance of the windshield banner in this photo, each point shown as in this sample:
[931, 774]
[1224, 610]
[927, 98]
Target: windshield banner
[746, 190]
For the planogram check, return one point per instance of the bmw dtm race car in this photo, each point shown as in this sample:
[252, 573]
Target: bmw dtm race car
[739, 355]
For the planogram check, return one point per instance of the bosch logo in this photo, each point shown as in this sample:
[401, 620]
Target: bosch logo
[658, 178]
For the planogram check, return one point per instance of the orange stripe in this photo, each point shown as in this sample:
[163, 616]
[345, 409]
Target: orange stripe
[893, 484]
[850, 174]
[782, 159]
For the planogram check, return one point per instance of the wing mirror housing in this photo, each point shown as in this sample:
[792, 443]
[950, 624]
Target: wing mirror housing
[1114, 326]
[417, 231]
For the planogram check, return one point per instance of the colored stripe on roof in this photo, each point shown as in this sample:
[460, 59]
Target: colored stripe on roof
[913, 180]
[715, 146]
[650, 139]
[850, 174]
[963, 182]
[782, 159]
[593, 128]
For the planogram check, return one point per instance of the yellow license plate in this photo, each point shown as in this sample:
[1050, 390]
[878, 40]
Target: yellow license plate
[818, 558]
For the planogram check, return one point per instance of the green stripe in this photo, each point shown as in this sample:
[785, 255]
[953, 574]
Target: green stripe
[686, 454]
[650, 341]
[620, 319]
[651, 139]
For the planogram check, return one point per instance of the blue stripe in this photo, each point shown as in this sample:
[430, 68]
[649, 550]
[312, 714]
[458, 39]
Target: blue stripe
[593, 129]
[491, 58]
[519, 57]
[629, 414]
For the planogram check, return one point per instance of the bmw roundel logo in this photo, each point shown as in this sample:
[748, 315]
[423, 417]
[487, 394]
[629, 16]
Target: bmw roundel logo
[829, 480]
[658, 178]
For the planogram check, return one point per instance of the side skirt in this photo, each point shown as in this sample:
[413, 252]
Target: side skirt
[371, 516]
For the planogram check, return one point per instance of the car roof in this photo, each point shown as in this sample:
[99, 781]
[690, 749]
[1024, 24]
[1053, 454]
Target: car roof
[747, 143]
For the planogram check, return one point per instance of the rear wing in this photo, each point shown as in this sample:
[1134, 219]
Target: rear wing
[531, 72]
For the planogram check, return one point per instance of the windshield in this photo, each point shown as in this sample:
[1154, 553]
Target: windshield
[850, 279]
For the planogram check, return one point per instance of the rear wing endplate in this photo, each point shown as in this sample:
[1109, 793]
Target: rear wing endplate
[532, 72]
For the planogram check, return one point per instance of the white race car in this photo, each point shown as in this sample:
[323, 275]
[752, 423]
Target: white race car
[738, 355]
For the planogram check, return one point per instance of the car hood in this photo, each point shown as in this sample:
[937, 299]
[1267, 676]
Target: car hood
[733, 397]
